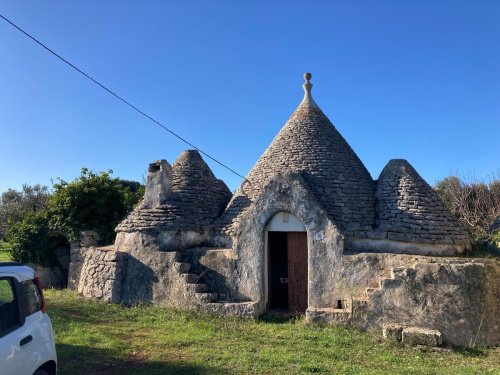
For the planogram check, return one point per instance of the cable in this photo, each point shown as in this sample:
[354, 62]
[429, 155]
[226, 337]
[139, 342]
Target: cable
[120, 98]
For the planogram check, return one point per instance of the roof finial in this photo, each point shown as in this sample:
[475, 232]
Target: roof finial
[308, 100]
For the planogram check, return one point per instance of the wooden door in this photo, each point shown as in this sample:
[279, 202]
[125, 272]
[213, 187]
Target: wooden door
[297, 272]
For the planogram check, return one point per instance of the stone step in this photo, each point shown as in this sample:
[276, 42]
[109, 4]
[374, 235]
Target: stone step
[182, 267]
[197, 288]
[190, 278]
[206, 297]
[240, 309]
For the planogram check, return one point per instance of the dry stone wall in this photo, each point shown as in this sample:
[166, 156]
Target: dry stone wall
[101, 274]
[457, 297]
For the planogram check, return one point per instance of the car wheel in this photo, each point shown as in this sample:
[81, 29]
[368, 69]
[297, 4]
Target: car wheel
[40, 371]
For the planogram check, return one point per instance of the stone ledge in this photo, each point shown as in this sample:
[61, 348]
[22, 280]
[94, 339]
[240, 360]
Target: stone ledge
[327, 315]
[239, 309]
[421, 336]
[400, 247]
[412, 336]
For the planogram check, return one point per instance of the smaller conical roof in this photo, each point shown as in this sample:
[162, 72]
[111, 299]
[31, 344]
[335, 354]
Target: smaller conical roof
[408, 209]
[197, 195]
[197, 199]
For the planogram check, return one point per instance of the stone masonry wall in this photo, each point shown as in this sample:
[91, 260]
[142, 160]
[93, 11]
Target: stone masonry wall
[458, 297]
[286, 193]
[98, 273]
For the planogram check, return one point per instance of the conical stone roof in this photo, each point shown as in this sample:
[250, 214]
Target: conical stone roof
[310, 145]
[197, 198]
[408, 209]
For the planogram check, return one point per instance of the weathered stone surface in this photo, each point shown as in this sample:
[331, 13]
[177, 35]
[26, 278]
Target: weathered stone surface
[392, 331]
[287, 193]
[409, 210]
[101, 274]
[327, 315]
[218, 269]
[89, 238]
[158, 184]
[196, 198]
[241, 309]
[421, 336]
[458, 297]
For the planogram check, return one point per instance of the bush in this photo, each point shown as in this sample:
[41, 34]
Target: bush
[30, 240]
[475, 203]
[90, 202]
[93, 201]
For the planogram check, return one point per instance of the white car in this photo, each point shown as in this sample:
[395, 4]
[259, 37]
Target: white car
[26, 337]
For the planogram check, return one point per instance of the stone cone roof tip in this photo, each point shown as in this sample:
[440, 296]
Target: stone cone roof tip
[410, 210]
[308, 101]
[196, 200]
[310, 145]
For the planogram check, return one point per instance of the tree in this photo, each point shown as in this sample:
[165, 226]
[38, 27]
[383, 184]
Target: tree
[14, 204]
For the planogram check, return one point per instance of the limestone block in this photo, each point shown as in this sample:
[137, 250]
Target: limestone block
[392, 331]
[421, 336]
[89, 238]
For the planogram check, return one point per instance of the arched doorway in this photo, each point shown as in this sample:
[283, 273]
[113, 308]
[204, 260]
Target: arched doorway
[286, 264]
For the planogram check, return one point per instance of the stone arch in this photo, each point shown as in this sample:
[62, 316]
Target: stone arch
[286, 193]
[285, 221]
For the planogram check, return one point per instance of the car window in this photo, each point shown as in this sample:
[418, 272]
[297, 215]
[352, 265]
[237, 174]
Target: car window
[33, 295]
[9, 313]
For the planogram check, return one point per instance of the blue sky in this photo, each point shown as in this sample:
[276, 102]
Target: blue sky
[415, 80]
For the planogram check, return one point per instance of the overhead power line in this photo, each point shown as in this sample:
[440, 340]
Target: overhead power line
[120, 97]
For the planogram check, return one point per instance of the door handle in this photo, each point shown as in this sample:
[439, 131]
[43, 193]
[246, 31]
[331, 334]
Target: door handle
[26, 340]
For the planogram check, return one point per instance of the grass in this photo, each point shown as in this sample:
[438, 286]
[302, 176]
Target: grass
[4, 252]
[98, 338]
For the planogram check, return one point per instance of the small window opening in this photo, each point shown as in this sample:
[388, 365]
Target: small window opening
[340, 305]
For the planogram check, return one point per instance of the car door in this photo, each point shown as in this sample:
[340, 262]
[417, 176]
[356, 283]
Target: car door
[15, 351]
[39, 328]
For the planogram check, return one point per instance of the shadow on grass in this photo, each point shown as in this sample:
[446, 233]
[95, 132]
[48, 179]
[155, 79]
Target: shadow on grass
[73, 313]
[77, 359]
[471, 352]
[278, 318]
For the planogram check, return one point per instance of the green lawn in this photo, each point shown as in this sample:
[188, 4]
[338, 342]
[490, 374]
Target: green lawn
[95, 338]
[4, 252]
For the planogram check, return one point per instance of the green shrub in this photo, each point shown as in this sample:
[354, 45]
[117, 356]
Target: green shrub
[93, 201]
[90, 202]
[30, 240]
